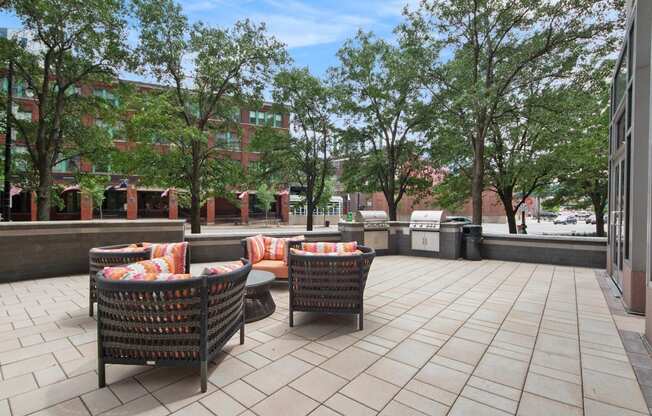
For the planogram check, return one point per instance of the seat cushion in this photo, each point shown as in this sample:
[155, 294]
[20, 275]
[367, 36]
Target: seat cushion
[223, 268]
[278, 267]
[159, 265]
[255, 248]
[330, 247]
[176, 250]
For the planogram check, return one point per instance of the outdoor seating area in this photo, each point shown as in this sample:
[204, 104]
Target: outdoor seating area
[440, 337]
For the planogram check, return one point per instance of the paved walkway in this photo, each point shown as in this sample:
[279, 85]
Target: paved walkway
[441, 337]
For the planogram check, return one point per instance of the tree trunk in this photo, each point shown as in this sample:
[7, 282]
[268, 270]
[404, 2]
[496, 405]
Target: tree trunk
[392, 208]
[477, 183]
[195, 192]
[43, 195]
[599, 220]
[310, 207]
[510, 213]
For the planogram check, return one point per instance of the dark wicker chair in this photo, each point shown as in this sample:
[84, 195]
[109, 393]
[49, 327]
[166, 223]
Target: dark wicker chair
[329, 284]
[169, 323]
[109, 256]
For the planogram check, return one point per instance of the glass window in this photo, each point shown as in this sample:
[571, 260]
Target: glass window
[228, 140]
[111, 129]
[106, 95]
[278, 120]
[620, 84]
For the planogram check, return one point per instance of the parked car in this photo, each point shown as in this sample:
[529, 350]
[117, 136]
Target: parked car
[459, 220]
[565, 219]
[591, 219]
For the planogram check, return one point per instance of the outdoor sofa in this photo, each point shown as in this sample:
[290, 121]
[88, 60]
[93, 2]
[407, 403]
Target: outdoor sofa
[168, 319]
[330, 281]
[269, 254]
[123, 254]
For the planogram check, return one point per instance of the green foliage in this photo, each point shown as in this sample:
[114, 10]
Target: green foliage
[583, 154]
[95, 186]
[383, 101]
[69, 44]
[264, 198]
[206, 71]
[302, 155]
[497, 54]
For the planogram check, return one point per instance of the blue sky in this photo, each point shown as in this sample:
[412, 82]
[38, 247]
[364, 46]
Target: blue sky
[313, 30]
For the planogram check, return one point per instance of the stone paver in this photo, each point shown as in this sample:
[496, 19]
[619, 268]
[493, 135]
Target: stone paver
[441, 338]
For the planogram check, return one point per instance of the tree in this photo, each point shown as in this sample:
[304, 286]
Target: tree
[381, 98]
[302, 155]
[95, 187]
[69, 44]
[491, 48]
[207, 73]
[583, 156]
[264, 198]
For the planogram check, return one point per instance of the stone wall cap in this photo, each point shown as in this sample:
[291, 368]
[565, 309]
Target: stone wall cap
[544, 237]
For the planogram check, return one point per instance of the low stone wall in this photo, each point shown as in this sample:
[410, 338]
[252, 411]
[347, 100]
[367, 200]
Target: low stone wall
[30, 250]
[206, 248]
[559, 250]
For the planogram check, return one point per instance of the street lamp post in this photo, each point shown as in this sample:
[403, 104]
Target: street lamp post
[6, 196]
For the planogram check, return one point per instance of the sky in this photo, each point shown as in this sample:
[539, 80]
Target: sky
[312, 30]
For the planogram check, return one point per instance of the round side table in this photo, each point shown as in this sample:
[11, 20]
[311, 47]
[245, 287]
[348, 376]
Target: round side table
[259, 303]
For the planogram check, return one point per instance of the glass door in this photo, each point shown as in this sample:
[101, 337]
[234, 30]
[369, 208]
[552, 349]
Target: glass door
[617, 221]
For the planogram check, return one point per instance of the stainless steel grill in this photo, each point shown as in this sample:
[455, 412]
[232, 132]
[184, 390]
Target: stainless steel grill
[426, 220]
[373, 220]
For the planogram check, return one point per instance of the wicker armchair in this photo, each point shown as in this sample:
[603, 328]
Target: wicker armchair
[329, 284]
[111, 256]
[169, 323]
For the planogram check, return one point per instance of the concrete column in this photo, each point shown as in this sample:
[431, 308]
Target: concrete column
[132, 202]
[173, 205]
[33, 209]
[86, 205]
[210, 211]
[244, 208]
[285, 208]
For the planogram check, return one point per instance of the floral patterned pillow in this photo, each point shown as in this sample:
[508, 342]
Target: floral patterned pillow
[222, 268]
[154, 266]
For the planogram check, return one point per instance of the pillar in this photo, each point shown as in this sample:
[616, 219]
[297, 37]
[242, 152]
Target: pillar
[285, 208]
[244, 208]
[210, 211]
[132, 202]
[86, 205]
[33, 208]
[173, 205]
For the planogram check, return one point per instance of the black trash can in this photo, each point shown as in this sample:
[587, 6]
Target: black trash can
[472, 239]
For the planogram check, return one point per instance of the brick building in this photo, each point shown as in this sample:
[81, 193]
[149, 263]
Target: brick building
[124, 197]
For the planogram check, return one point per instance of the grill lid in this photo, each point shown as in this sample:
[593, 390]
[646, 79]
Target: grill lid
[371, 216]
[428, 219]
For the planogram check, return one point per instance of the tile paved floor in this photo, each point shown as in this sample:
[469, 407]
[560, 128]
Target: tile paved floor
[441, 337]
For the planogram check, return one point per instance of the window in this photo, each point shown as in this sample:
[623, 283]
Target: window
[228, 140]
[19, 88]
[266, 118]
[111, 129]
[107, 95]
[621, 80]
[68, 165]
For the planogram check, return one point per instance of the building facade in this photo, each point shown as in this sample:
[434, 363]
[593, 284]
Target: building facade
[125, 197]
[628, 159]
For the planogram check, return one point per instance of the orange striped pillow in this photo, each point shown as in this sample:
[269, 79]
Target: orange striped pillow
[256, 248]
[274, 248]
[330, 247]
[176, 250]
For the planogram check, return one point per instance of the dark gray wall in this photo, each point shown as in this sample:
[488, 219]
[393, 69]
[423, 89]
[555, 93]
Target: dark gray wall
[564, 251]
[206, 248]
[30, 250]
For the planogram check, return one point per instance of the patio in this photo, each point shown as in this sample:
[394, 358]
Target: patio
[441, 337]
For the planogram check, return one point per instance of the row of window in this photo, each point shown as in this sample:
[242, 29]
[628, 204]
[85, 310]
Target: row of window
[333, 208]
[262, 118]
